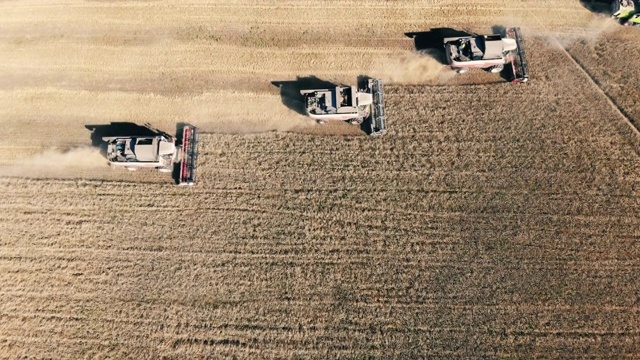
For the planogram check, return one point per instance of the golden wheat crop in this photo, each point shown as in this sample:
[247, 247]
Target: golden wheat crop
[492, 221]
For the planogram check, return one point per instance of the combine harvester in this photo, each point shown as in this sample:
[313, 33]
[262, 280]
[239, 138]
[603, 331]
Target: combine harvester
[160, 151]
[347, 103]
[491, 52]
[627, 12]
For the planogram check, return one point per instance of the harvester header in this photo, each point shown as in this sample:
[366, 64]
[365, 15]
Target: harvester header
[378, 118]
[518, 59]
[189, 156]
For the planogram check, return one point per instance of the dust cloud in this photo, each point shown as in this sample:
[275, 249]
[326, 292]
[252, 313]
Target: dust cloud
[598, 27]
[57, 162]
[411, 68]
[242, 113]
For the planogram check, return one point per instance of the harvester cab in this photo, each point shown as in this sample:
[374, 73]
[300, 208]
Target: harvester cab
[156, 150]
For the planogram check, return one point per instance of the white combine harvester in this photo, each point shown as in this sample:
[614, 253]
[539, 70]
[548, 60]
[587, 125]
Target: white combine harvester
[347, 103]
[491, 52]
[159, 151]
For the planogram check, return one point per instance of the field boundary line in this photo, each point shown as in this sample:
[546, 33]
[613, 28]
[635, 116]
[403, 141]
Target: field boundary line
[628, 120]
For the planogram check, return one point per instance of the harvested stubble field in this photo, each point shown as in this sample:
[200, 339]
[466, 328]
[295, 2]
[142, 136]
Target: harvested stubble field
[491, 221]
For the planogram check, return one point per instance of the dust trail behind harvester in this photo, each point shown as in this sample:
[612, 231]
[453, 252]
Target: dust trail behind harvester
[411, 68]
[241, 113]
[599, 26]
[596, 28]
[57, 163]
[536, 25]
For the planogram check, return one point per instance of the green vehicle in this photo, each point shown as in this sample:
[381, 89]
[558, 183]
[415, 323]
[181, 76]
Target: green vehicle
[627, 12]
[634, 20]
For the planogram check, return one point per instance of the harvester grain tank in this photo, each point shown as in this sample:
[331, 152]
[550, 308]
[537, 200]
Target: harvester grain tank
[491, 52]
[350, 104]
[160, 151]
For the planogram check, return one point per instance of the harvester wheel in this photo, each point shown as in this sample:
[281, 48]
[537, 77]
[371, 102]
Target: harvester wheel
[356, 121]
[496, 68]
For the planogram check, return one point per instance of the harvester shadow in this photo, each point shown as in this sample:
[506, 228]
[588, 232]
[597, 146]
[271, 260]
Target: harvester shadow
[117, 129]
[598, 6]
[432, 42]
[290, 91]
[498, 29]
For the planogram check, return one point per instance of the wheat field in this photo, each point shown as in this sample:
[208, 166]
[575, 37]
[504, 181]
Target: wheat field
[492, 220]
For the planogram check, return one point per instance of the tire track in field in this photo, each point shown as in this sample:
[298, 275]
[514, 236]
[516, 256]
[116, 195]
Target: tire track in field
[622, 114]
[124, 257]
